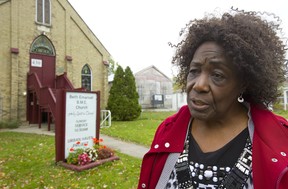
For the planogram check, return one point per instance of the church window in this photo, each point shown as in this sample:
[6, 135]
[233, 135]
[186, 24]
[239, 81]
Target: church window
[42, 45]
[86, 78]
[43, 12]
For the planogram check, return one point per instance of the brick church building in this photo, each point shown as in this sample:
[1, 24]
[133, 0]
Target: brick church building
[45, 46]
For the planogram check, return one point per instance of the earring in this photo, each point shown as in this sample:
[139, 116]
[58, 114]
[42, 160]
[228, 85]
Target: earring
[240, 98]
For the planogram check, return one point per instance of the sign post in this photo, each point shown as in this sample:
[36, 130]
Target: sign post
[77, 121]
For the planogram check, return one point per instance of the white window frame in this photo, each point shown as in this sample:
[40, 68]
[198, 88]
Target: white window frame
[43, 11]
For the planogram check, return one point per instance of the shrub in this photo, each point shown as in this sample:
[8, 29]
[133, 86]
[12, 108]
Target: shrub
[123, 99]
[104, 153]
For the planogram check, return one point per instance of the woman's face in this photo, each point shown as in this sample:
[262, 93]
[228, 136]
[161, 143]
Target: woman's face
[212, 84]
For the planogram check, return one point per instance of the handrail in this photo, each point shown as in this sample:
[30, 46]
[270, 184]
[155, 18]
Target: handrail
[34, 83]
[45, 95]
[48, 100]
[62, 82]
[106, 118]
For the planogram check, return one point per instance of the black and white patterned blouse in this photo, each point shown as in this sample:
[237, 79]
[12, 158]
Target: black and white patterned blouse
[228, 167]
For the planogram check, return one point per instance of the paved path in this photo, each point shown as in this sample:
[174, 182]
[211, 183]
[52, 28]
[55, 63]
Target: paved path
[130, 149]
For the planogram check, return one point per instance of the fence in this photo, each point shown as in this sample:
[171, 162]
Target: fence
[105, 118]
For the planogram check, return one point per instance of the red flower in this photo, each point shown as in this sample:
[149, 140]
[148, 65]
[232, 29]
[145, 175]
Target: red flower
[78, 142]
[71, 149]
[96, 141]
[86, 144]
[102, 147]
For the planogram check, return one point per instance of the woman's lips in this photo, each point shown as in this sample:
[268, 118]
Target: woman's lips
[199, 105]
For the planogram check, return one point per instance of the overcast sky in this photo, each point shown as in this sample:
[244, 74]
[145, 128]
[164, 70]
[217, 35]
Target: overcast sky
[137, 32]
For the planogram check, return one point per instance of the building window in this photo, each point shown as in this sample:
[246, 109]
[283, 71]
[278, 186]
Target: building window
[43, 12]
[86, 78]
[42, 45]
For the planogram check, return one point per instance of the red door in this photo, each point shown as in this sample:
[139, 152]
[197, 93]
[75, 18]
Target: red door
[44, 67]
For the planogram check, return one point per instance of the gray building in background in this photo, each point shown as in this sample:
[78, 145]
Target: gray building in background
[155, 89]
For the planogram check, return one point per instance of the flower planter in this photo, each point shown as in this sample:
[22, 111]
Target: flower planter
[87, 166]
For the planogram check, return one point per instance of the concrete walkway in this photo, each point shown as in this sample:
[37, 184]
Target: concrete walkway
[130, 149]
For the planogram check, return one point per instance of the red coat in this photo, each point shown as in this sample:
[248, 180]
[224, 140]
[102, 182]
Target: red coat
[269, 150]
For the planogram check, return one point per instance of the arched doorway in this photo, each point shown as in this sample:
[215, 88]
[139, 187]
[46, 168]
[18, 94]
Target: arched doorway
[42, 67]
[42, 60]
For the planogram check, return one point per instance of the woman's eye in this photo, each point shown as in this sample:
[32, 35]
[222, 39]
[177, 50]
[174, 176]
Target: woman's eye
[193, 71]
[218, 76]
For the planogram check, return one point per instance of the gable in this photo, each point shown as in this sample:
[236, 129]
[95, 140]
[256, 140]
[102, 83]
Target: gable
[152, 73]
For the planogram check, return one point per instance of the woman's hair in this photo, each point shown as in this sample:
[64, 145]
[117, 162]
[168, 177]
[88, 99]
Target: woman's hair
[250, 41]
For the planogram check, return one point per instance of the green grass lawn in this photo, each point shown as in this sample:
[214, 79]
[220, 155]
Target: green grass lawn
[140, 131]
[282, 113]
[28, 161]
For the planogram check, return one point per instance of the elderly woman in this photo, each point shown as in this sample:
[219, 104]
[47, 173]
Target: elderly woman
[226, 137]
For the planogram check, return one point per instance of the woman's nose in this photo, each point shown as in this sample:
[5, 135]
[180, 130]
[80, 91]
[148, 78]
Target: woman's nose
[201, 83]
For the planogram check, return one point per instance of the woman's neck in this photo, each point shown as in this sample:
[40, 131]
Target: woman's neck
[213, 134]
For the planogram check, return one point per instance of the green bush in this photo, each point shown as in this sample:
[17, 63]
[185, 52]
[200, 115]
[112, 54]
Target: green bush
[123, 99]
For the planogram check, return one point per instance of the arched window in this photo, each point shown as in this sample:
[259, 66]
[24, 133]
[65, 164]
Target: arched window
[86, 77]
[42, 45]
[43, 12]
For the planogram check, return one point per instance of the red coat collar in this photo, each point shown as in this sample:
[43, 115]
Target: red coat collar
[171, 134]
[270, 150]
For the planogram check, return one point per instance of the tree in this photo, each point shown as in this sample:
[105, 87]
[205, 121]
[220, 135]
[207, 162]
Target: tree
[116, 96]
[133, 107]
[112, 66]
[176, 85]
[123, 99]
